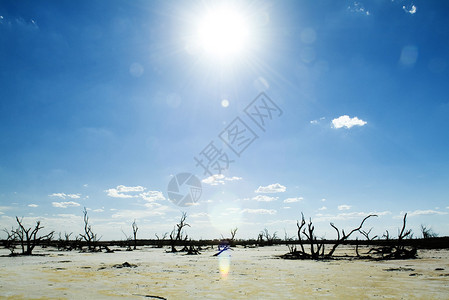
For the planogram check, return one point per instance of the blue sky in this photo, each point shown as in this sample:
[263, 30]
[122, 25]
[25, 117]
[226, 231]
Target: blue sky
[102, 102]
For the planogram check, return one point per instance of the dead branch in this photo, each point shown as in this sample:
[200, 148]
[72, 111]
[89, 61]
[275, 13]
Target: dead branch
[366, 234]
[343, 237]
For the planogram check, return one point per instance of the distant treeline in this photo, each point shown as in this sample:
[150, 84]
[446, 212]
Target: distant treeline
[427, 243]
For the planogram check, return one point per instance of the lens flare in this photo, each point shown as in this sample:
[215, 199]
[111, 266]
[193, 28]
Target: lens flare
[224, 263]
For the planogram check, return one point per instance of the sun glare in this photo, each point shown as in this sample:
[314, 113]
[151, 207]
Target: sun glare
[223, 32]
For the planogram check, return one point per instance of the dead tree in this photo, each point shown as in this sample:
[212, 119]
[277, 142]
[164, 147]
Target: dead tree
[303, 222]
[89, 236]
[27, 237]
[427, 232]
[64, 243]
[343, 237]
[269, 237]
[232, 239]
[135, 228]
[316, 248]
[306, 233]
[177, 234]
[11, 240]
[160, 241]
[260, 241]
[127, 241]
[397, 248]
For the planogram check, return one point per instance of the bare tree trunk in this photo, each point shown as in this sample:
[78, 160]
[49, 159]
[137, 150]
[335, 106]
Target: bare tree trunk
[135, 228]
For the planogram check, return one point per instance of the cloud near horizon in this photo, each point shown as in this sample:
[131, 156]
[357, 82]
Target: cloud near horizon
[344, 207]
[127, 192]
[426, 212]
[271, 189]
[259, 211]
[219, 179]
[346, 121]
[65, 204]
[64, 195]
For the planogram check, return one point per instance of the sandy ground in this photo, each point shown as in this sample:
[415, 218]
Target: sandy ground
[253, 274]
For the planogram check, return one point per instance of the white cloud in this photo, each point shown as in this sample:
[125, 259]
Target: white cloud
[152, 196]
[33, 205]
[65, 204]
[140, 214]
[323, 200]
[344, 207]
[411, 10]
[259, 211]
[219, 179]
[98, 210]
[64, 195]
[346, 216]
[424, 213]
[120, 190]
[272, 188]
[291, 200]
[322, 208]
[264, 198]
[346, 121]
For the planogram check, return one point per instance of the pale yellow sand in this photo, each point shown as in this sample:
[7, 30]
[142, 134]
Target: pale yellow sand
[254, 274]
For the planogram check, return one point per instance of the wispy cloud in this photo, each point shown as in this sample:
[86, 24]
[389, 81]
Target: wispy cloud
[410, 9]
[219, 179]
[344, 207]
[322, 208]
[424, 213]
[346, 216]
[264, 198]
[19, 22]
[64, 195]
[346, 121]
[295, 199]
[199, 215]
[65, 204]
[33, 205]
[141, 213]
[317, 121]
[357, 7]
[272, 188]
[259, 211]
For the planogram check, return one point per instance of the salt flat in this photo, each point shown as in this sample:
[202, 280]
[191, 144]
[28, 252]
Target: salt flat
[254, 273]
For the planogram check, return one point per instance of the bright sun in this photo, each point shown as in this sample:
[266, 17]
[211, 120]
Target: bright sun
[223, 32]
